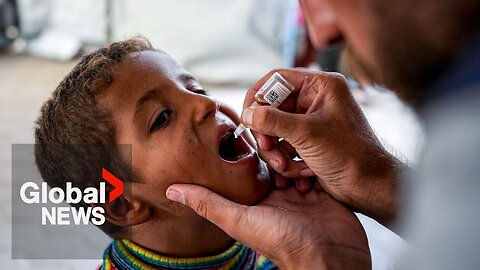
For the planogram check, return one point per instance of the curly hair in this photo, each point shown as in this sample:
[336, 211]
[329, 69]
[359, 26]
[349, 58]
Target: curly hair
[74, 137]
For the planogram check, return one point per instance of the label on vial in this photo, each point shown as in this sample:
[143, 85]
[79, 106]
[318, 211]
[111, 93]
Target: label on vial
[265, 87]
[276, 94]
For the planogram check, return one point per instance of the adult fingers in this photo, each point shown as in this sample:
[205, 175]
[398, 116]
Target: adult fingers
[271, 121]
[295, 76]
[264, 142]
[227, 215]
[309, 87]
[281, 162]
[280, 181]
[304, 184]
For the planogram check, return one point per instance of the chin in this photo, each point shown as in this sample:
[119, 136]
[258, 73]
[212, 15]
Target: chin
[250, 173]
[260, 187]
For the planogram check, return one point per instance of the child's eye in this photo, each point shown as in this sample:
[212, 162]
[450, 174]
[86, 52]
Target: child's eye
[201, 92]
[161, 121]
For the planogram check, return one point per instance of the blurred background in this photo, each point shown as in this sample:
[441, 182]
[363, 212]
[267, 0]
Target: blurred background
[228, 45]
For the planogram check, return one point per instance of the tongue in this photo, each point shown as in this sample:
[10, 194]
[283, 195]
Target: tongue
[231, 148]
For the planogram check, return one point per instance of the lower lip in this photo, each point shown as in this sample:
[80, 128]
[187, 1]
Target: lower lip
[250, 158]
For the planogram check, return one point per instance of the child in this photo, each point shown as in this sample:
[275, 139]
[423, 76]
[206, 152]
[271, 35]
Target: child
[132, 94]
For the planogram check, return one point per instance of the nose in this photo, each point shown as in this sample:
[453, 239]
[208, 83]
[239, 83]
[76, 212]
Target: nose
[321, 23]
[203, 107]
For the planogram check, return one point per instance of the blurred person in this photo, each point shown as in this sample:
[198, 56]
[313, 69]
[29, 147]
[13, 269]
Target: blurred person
[132, 94]
[428, 53]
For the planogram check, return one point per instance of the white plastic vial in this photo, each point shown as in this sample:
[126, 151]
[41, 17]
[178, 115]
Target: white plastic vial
[272, 93]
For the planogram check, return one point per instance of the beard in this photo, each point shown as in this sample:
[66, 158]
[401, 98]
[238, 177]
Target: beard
[405, 70]
[404, 61]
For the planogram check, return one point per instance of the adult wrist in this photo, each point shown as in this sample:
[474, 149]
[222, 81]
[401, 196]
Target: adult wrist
[331, 257]
[378, 198]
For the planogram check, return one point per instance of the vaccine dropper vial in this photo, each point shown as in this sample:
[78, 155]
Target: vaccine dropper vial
[272, 93]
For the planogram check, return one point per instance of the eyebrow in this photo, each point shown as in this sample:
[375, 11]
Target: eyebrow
[150, 94]
[187, 77]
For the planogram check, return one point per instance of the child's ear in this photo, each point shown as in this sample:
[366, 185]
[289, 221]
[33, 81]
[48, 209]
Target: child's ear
[125, 211]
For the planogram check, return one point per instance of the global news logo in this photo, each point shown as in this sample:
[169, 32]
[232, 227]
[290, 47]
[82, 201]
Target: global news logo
[32, 193]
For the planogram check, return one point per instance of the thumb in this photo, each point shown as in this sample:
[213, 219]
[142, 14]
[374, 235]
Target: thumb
[274, 122]
[224, 213]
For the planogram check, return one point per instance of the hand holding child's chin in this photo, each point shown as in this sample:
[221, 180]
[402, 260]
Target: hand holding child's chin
[288, 227]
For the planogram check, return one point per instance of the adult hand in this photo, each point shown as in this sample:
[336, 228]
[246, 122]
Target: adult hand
[303, 184]
[323, 125]
[294, 230]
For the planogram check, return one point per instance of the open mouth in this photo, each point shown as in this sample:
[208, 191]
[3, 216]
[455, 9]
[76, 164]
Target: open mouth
[233, 149]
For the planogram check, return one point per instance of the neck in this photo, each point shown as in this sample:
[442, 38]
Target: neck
[191, 236]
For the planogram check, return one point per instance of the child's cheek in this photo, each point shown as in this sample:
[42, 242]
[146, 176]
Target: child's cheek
[229, 111]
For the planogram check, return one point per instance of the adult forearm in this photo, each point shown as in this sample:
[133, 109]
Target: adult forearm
[380, 197]
[381, 203]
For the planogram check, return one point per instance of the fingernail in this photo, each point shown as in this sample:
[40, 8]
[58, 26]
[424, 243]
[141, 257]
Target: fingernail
[175, 195]
[247, 116]
[306, 172]
[274, 163]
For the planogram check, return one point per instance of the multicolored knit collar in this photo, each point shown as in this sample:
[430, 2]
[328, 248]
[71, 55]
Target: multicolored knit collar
[125, 255]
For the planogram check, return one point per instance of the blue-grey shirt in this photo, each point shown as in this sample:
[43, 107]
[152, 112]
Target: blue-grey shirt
[442, 195]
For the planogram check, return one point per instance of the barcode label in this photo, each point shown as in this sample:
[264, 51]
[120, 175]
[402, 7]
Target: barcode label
[271, 96]
[276, 94]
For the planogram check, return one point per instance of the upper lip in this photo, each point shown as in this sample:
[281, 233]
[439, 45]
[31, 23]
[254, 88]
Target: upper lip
[223, 131]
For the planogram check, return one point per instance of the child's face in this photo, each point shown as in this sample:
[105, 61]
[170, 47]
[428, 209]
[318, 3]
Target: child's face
[178, 134]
